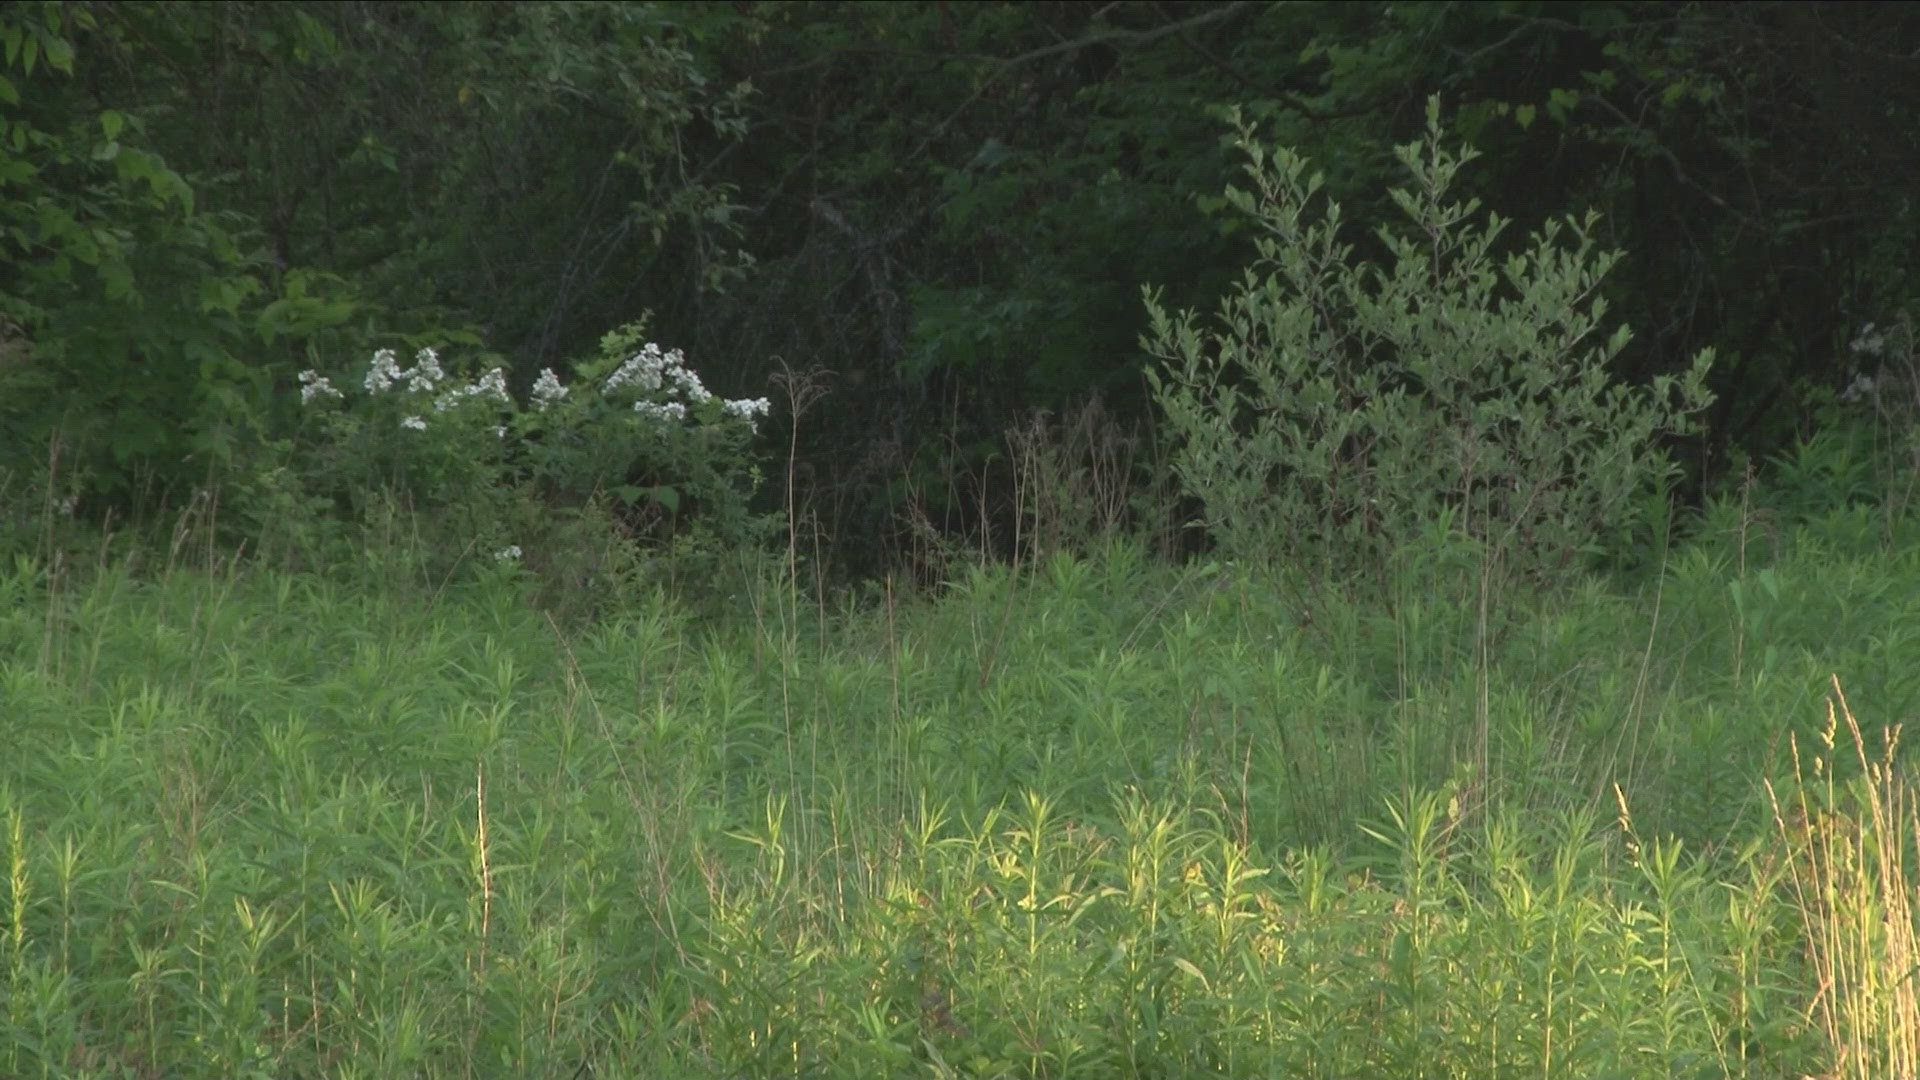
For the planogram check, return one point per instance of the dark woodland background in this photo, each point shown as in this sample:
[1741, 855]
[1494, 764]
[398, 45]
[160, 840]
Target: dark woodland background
[941, 214]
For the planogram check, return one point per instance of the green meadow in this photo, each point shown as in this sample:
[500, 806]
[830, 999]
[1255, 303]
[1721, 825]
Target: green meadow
[1364, 541]
[1094, 816]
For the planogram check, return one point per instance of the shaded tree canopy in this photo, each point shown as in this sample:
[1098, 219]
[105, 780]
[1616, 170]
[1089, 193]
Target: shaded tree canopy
[951, 208]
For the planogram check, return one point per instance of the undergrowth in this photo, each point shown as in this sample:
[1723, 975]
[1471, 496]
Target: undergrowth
[1092, 817]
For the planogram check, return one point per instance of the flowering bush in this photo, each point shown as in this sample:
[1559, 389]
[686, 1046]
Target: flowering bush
[636, 430]
[647, 433]
[1863, 443]
[384, 443]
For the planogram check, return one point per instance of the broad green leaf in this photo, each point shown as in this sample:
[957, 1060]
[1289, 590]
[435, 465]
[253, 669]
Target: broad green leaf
[59, 54]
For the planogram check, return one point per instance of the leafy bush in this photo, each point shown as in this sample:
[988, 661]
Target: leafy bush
[637, 443]
[1863, 448]
[121, 304]
[1342, 411]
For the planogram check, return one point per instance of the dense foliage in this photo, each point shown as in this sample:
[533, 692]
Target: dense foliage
[455, 459]
[1107, 818]
[943, 213]
[1341, 412]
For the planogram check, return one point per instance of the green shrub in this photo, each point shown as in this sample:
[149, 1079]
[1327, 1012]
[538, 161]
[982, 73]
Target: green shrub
[124, 306]
[637, 445]
[1344, 413]
[1862, 448]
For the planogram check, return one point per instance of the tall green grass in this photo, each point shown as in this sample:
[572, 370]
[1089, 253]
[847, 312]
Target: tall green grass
[1093, 817]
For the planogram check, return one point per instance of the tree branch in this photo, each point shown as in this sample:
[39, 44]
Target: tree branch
[1128, 37]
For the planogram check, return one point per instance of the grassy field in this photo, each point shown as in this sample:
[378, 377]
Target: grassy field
[1090, 818]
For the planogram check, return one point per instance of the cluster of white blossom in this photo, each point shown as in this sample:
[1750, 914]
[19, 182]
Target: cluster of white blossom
[384, 372]
[547, 390]
[315, 385]
[1871, 344]
[426, 373]
[651, 372]
[748, 408]
[424, 377]
[1871, 341]
[663, 386]
[491, 385]
[671, 411]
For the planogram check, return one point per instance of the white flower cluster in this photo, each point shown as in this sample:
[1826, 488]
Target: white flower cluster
[664, 388]
[424, 377]
[491, 385]
[671, 411]
[653, 371]
[426, 373]
[384, 372]
[748, 408]
[315, 385]
[1862, 388]
[1870, 341]
[1875, 346]
[547, 390]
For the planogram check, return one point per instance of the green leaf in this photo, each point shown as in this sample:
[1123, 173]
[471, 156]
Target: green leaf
[59, 54]
[1524, 115]
[111, 122]
[14, 170]
[1188, 967]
